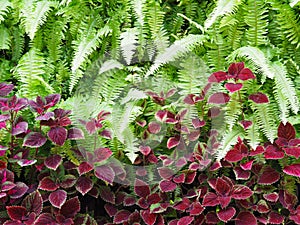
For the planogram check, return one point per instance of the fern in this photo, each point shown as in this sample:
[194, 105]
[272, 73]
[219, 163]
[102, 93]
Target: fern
[294, 2]
[233, 111]
[17, 43]
[30, 72]
[256, 15]
[5, 40]
[129, 40]
[223, 7]
[4, 8]
[34, 14]
[252, 133]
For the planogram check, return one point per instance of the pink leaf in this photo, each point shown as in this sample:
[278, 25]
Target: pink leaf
[161, 115]
[219, 98]
[141, 188]
[53, 161]
[245, 74]
[173, 142]
[45, 219]
[217, 77]
[19, 128]
[145, 150]
[246, 124]
[154, 127]
[58, 198]
[293, 170]
[110, 209]
[232, 87]
[182, 205]
[107, 195]
[262, 206]
[223, 187]
[48, 184]
[16, 212]
[241, 174]
[275, 218]
[286, 131]
[34, 140]
[58, 135]
[70, 208]
[18, 191]
[121, 216]
[292, 151]
[166, 173]
[5, 89]
[167, 186]
[84, 185]
[198, 123]
[178, 179]
[75, 134]
[241, 192]
[226, 214]
[149, 218]
[210, 199]
[259, 98]
[45, 116]
[185, 220]
[247, 165]
[272, 197]
[258, 150]
[272, 152]
[234, 156]
[51, 100]
[269, 176]
[190, 177]
[105, 173]
[84, 167]
[245, 216]
[196, 209]
[102, 154]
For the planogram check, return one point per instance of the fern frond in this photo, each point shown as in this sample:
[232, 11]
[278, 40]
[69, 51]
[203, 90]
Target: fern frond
[137, 6]
[4, 8]
[30, 72]
[294, 2]
[256, 17]
[17, 44]
[197, 25]
[129, 40]
[233, 111]
[177, 49]
[34, 14]
[5, 40]
[252, 133]
[154, 17]
[223, 7]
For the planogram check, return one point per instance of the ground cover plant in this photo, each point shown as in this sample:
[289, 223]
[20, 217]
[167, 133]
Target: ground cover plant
[149, 112]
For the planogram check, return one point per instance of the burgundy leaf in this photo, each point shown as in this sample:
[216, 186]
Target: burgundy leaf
[210, 199]
[292, 151]
[212, 218]
[70, 208]
[161, 115]
[58, 135]
[241, 192]
[26, 162]
[245, 216]
[154, 127]
[105, 173]
[226, 214]
[166, 173]
[129, 201]
[245, 74]
[219, 98]
[294, 142]
[106, 134]
[173, 142]
[234, 156]
[286, 131]
[5, 89]
[293, 170]
[121, 216]
[102, 154]
[149, 218]
[52, 100]
[258, 150]
[222, 187]
[145, 150]
[19, 128]
[142, 203]
[18, 191]
[4, 117]
[247, 165]
[241, 174]
[235, 68]
[45, 219]
[45, 116]
[259, 98]
[262, 206]
[107, 195]
[275, 218]
[110, 209]
[141, 188]
[68, 181]
[34, 140]
[141, 123]
[215, 166]
[16, 212]
[182, 205]
[217, 77]
[232, 87]
[33, 202]
[48, 184]
[196, 209]
[198, 123]
[58, 198]
[190, 177]
[53, 161]
[272, 152]
[75, 134]
[178, 179]
[246, 124]
[84, 167]
[268, 176]
[84, 185]
[272, 197]
[167, 186]
[185, 220]
[90, 126]
[7, 185]
[214, 112]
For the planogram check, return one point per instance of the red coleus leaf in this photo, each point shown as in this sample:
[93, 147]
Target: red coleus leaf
[166, 173]
[212, 218]
[226, 214]
[258, 150]
[294, 142]
[219, 98]
[149, 218]
[19, 128]
[70, 208]
[18, 191]
[107, 195]
[33, 202]
[247, 165]
[154, 127]
[286, 131]
[75, 134]
[58, 198]
[179, 179]
[273, 152]
[262, 206]
[241, 174]
[268, 176]
[161, 115]
[246, 74]
[45, 116]
[7, 185]
[210, 199]
[246, 124]
[275, 218]
[272, 197]
[47, 184]
[190, 177]
[5, 89]
[141, 188]
[185, 220]
[102, 154]
[232, 87]
[241, 192]
[259, 98]
[167, 186]
[173, 142]
[196, 209]
[121, 216]
[45, 219]
[145, 150]
[129, 201]
[110, 209]
[234, 155]
[292, 151]
[34, 140]
[58, 135]
[51, 100]
[105, 173]
[222, 187]
[293, 170]
[247, 217]
[53, 161]
[16, 213]
[84, 185]
[182, 205]
[198, 123]
[217, 77]
[84, 167]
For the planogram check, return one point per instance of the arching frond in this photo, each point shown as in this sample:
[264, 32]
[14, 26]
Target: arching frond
[252, 133]
[129, 40]
[5, 40]
[4, 8]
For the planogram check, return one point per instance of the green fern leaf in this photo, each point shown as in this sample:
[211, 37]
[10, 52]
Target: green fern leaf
[129, 40]
[33, 15]
[294, 2]
[252, 133]
[137, 6]
[5, 40]
[233, 111]
[4, 8]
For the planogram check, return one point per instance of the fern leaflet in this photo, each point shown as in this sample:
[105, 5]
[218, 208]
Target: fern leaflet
[4, 8]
